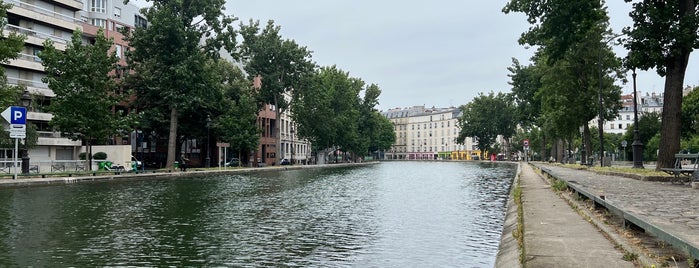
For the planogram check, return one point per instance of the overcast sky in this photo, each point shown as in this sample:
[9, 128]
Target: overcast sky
[435, 53]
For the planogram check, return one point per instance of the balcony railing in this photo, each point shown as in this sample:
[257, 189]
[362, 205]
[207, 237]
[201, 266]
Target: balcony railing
[29, 57]
[40, 35]
[44, 11]
[25, 82]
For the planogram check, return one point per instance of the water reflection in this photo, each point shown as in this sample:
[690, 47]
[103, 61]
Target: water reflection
[389, 215]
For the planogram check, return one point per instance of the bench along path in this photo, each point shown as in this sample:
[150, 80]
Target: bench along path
[685, 165]
[668, 211]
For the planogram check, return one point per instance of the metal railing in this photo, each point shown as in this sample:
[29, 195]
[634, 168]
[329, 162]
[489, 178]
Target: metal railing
[44, 11]
[56, 166]
[37, 34]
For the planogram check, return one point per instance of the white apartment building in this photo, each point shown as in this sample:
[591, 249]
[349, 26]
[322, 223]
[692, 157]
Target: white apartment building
[297, 151]
[428, 134]
[648, 103]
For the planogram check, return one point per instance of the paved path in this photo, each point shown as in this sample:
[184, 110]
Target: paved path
[555, 235]
[668, 211]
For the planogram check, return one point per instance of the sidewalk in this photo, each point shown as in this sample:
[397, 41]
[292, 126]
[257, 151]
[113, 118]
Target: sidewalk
[555, 235]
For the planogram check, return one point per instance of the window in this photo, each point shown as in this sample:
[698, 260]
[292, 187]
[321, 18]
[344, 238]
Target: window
[611, 126]
[140, 22]
[99, 6]
[98, 22]
[117, 12]
[118, 50]
[620, 126]
[628, 117]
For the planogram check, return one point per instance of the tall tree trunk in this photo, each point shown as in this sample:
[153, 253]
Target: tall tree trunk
[277, 132]
[672, 112]
[676, 66]
[587, 143]
[544, 156]
[172, 139]
[88, 157]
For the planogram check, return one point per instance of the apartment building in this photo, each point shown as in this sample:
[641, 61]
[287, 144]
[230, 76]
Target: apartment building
[648, 103]
[56, 20]
[40, 20]
[428, 134]
[292, 148]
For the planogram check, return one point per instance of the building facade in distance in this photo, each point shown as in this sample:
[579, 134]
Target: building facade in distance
[428, 134]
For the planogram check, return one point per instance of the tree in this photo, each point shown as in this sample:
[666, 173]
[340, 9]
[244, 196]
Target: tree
[525, 82]
[283, 65]
[167, 65]
[486, 117]
[376, 131]
[86, 92]
[663, 35]
[575, 62]
[690, 114]
[237, 123]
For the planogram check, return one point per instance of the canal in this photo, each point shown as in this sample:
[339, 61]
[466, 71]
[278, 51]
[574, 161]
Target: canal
[394, 214]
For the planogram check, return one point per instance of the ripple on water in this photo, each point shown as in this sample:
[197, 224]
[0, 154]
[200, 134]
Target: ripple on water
[394, 214]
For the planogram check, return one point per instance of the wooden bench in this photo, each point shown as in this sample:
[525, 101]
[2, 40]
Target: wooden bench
[685, 165]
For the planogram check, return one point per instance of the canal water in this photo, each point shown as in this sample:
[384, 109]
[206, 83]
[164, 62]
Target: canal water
[394, 214]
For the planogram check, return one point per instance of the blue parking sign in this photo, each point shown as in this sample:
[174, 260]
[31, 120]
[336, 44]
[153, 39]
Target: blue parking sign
[15, 115]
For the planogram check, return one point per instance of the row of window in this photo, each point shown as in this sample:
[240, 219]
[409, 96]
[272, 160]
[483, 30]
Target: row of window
[611, 126]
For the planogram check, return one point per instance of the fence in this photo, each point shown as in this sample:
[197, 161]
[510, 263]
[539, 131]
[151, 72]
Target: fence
[6, 166]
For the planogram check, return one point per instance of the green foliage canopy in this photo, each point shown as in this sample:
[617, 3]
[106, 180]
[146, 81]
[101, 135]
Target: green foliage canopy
[85, 89]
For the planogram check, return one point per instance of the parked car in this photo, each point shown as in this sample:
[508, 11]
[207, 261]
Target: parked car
[234, 162]
[285, 162]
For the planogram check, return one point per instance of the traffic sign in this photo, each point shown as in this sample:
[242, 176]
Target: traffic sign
[526, 143]
[15, 115]
[18, 127]
[223, 144]
[18, 135]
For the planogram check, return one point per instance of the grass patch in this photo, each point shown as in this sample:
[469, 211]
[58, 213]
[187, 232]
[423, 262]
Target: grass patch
[519, 232]
[559, 185]
[630, 256]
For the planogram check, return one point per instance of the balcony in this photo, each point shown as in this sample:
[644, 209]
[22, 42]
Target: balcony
[43, 15]
[55, 139]
[34, 87]
[37, 38]
[75, 4]
[26, 61]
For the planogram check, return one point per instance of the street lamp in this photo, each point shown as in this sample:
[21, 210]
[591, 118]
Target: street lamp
[292, 146]
[207, 163]
[637, 145]
[26, 103]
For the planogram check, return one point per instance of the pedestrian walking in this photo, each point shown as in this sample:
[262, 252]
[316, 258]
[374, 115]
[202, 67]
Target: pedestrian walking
[183, 163]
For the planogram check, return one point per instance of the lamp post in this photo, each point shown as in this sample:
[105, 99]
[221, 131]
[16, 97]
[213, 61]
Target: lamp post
[600, 122]
[292, 145]
[26, 103]
[623, 145]
[207, 162]
[637, 145]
